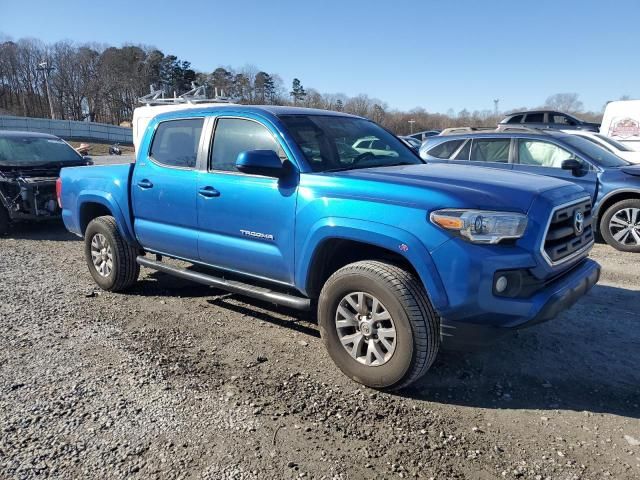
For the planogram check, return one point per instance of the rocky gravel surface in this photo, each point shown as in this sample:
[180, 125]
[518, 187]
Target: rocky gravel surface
[175, 380]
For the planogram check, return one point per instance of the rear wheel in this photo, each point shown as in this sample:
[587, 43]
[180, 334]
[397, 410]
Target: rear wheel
[620, 225]
[111, 260]
[378, 324]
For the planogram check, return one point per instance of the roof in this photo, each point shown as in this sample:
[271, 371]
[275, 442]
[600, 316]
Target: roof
[500, 132]
[532, 111]
[276, 110]
[23, 134]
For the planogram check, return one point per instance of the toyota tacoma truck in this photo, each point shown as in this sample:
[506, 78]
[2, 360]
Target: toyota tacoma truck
[398, 257]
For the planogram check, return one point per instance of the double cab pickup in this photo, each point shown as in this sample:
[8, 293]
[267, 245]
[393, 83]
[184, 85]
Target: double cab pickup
[311, 209]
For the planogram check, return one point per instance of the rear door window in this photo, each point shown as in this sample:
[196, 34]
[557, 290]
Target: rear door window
[534, 118]
[490, 150]
[445, 149]
[175, 142]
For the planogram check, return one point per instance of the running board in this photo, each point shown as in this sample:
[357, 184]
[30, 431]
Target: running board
[261, 293]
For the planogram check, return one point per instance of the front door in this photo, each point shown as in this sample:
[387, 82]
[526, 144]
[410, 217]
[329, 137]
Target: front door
[246, 222]
[164, 190]
[545, 158]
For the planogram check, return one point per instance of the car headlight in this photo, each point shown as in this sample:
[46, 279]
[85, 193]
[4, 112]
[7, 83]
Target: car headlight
[480, 226]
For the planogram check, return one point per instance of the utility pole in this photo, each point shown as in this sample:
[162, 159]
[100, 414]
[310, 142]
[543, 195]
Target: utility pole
[411, 122]
[44, 67]
[495, 106]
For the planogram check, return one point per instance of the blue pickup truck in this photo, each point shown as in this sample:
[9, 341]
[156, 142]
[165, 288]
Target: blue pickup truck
[281, 204]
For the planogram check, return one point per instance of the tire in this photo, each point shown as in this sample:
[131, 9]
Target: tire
[416, 324]
[4, 221]
[102, 232]
[615, 233]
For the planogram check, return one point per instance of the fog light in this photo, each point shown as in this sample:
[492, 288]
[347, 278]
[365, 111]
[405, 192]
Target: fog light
[501, 284]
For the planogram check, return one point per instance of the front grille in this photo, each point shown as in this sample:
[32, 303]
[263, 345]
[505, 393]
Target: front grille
[562, 240]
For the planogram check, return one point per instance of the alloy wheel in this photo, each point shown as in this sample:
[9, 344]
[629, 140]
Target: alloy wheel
[624, 226]
[365, 329]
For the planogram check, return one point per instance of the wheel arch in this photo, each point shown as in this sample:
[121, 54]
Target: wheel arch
[92, 205]
[612, 198]
[339, 242]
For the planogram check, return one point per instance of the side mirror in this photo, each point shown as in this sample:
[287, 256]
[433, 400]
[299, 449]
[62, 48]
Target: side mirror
[87, 160]
[575, 165]
[260, 162]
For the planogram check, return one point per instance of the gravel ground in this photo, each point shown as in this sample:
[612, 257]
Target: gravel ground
[175, 380]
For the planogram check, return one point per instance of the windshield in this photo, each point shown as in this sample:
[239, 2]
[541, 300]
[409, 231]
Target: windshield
[332, 143]
[599, 155]
[614, 143]
[31, 151]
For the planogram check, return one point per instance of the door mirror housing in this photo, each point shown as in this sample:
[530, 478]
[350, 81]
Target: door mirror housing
[87, 160]
[576, 166]
[260, 162]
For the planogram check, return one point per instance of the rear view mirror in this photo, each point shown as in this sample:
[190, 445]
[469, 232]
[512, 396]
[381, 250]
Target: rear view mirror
[260, 162]
[575, 165]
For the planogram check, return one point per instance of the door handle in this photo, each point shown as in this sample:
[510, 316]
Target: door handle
[145, 184]
[209, 192]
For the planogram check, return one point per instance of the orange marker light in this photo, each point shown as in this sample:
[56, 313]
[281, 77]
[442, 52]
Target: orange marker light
[450, 223]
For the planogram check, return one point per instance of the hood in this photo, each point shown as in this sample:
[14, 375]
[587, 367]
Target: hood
[475, 187]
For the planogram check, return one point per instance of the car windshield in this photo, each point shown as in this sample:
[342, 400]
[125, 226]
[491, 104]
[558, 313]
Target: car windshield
[614, 143]
[332, 143]
[33, 151]
[599, 155]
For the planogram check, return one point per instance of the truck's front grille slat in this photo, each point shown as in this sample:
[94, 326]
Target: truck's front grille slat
[563, 238]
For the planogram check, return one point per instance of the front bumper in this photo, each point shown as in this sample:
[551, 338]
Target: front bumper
[546, 304]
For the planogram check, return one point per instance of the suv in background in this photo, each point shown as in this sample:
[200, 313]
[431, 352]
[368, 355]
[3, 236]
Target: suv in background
[548, 119]
[612, 183]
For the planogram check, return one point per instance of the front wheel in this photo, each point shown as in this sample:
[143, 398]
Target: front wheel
[620, 225]
[378, 324]
[111, 260]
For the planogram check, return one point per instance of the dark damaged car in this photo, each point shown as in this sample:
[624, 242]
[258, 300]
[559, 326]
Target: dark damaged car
[30, 164]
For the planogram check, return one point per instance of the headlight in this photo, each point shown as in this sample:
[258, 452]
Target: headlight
[479, 226]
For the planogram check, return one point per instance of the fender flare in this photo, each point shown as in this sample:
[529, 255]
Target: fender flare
[381, 235]
[107, 200]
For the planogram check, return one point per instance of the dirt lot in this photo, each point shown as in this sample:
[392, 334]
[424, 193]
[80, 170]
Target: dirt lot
[175, 380]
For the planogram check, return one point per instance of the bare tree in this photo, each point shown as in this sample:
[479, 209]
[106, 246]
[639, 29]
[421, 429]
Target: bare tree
[565, 102]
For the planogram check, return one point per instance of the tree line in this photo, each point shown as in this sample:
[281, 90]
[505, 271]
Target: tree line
[103, 83]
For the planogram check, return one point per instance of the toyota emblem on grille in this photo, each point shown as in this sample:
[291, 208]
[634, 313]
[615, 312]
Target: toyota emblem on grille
[578, 222]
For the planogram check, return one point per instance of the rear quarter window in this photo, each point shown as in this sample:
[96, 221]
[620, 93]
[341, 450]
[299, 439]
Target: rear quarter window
[444, 150]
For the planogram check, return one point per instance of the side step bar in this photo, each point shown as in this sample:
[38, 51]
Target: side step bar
[261, 293]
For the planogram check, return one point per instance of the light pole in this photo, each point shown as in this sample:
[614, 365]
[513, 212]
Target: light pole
[44, 67]
[411, 122]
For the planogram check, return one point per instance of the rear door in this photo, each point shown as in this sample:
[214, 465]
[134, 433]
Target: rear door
[246, 222]
[545, 158]
[163, 189]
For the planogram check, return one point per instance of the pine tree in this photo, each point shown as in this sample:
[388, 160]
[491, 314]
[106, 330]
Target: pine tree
[297, 91]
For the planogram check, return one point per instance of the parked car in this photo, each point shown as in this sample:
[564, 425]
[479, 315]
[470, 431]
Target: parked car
[422, 136]
[621, 121]
[29, 167]
[548, 119]
[612, 183]
[374, 146]
[411, 141]
[264, 204]
[614, 146]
